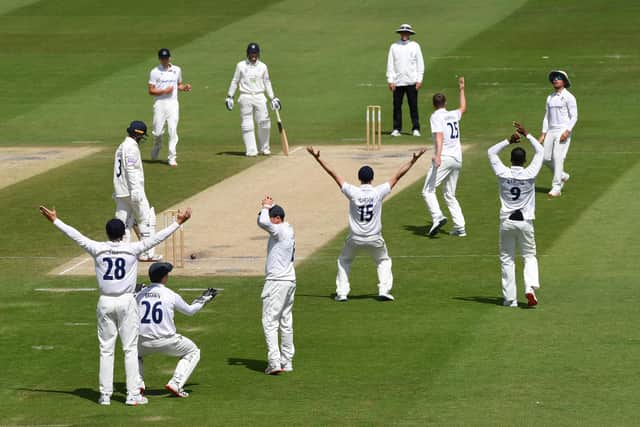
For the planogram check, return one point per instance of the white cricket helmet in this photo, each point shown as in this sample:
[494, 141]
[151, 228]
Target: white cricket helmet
[562, 75]
[405, 28]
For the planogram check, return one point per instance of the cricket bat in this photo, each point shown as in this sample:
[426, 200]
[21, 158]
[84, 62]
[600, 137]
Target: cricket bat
[283, 135]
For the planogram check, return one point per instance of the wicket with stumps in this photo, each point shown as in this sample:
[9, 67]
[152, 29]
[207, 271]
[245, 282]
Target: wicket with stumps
[174, 245]
[374, 127]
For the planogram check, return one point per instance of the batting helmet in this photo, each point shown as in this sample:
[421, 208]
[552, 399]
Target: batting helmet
[253, 48]
[164, 53]
[137, 129]
[561, 75]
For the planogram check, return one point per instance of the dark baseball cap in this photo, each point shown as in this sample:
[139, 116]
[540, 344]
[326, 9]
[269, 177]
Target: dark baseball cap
[158, 270]
[115, 229]
[276, 210]
[253, 48]
[137, 128]
[164, 53]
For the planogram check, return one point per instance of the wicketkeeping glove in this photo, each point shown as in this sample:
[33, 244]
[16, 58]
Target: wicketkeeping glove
[276, 104]
[206, 296]
[139, 287]
[229, 103]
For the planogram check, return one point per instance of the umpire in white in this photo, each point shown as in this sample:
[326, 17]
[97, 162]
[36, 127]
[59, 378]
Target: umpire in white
[279, 287]
[116, 264]
[158, 330]
[517, 212]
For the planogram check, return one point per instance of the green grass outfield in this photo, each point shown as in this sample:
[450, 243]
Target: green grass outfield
[445, 352]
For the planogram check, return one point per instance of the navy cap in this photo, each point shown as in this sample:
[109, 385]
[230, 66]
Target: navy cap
[164, 53]
[365, 174]
[253, 48]
[158, 270]
[115, 229]
[276, 210]
[137, 128]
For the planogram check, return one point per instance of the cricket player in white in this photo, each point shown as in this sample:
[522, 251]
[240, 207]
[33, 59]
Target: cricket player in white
[252, 78]
[446, 163]
[560, 118]
[365, 225]
[128, 182]
[116, 264]
[517, 212]
[279, 287]
[158, 334]
[165, 81]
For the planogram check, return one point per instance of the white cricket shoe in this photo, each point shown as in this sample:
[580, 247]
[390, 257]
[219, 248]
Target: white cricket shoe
[508, 303]
[105, 400]
[287, 366]
[416, 132]
[175, 390]
[273, 370]
[460, 232]
[436, 226]
[554, 193]
[340, 298]
[173, 163]
[136, 400]
[565, 177]
[266, 152]
[386, 297]
[154, 258]
[395, 132]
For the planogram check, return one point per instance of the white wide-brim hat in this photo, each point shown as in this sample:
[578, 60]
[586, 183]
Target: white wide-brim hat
[564, 76]
[405, 28]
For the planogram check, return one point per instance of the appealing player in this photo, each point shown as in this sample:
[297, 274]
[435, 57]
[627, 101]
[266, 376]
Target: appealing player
[365, 224]
[517, 212]
[252, 78]
[156, 303]
[405, 70]
[559, 120]
[116, 264]
[128, 182]
[446, 163]
[279, 287]
[165, 81]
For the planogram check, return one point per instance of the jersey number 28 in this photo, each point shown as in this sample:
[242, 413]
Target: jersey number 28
[115, 268]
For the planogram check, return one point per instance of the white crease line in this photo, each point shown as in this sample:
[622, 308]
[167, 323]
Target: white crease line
[199, 289]
[64, 289]
[295, 149]
[74, 266]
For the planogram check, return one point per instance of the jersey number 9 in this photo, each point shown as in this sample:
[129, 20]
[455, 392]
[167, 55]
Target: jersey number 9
[515, 192]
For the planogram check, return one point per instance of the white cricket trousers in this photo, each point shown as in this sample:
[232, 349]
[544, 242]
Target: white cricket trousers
[512, 234]
[166, 111]
[277, 314]
[254, 107]
[377, 249]
[177, 346]
[127, 210]
[447, 176]
[118, 316]
[555, 151]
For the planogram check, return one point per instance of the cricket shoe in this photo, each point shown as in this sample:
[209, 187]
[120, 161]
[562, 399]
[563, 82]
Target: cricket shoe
[395, 132]
[173, 163]
[416, 132]
[154, 258]
[287, 367]
[436, 226]
[386, 297]
[460, 232]
[553, 194]
[532, 301]
[510, 303]
[565, 177]
[105, 400]
[273, 370]
[340, 298]
[136, 400]
[266, 152]
[175, 390]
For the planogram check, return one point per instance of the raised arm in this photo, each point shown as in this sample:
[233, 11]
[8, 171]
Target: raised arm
[405, 167]
[316, 155]
[160, 236]
[264, 221]
[463, 99]
[536, 163]
[494, 151]
[80, 239]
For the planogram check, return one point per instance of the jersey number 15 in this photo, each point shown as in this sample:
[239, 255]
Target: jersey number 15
[366, 212]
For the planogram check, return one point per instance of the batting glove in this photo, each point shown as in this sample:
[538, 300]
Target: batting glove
[229, 103]
[276, 104]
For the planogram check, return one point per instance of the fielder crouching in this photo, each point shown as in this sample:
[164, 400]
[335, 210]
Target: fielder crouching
[158, 334]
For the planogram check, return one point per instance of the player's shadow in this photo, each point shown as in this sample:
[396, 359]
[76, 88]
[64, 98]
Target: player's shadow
[253, 364]
[422, 230]
[544, 190]
[230, 153]
[332, 296]
[84, 393]
[155, 162]
[490, 300]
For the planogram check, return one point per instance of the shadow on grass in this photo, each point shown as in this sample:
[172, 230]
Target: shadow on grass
[544, 190]
[351, 297]
[422, 230]
[492, 301]
[230, 153]
[155, 162]
[253, 364]
[84, 393]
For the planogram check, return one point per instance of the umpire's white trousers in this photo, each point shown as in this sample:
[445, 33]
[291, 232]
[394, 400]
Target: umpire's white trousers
[377, 249]
[177, 346]
[254, 107]
[118, 316]
[512, 234]
[166, 111]
[128, 210]
[447, 175]
[555, 151]
[277, 313]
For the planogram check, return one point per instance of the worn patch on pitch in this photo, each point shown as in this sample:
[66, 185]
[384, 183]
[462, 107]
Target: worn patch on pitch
[20, 163]
[223, 236]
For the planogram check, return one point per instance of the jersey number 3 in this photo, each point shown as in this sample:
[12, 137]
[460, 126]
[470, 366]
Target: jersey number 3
[152, 314]
[114, 273]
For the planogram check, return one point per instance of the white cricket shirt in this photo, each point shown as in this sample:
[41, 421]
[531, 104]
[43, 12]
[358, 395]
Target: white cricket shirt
[252, 79]
[517, 185]
[128, 175]
[365, 209]
[116, 263]
[561, 113]
[162, 78]
[405, 65]
[281, 248]
[156, 305]
[448, 123]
